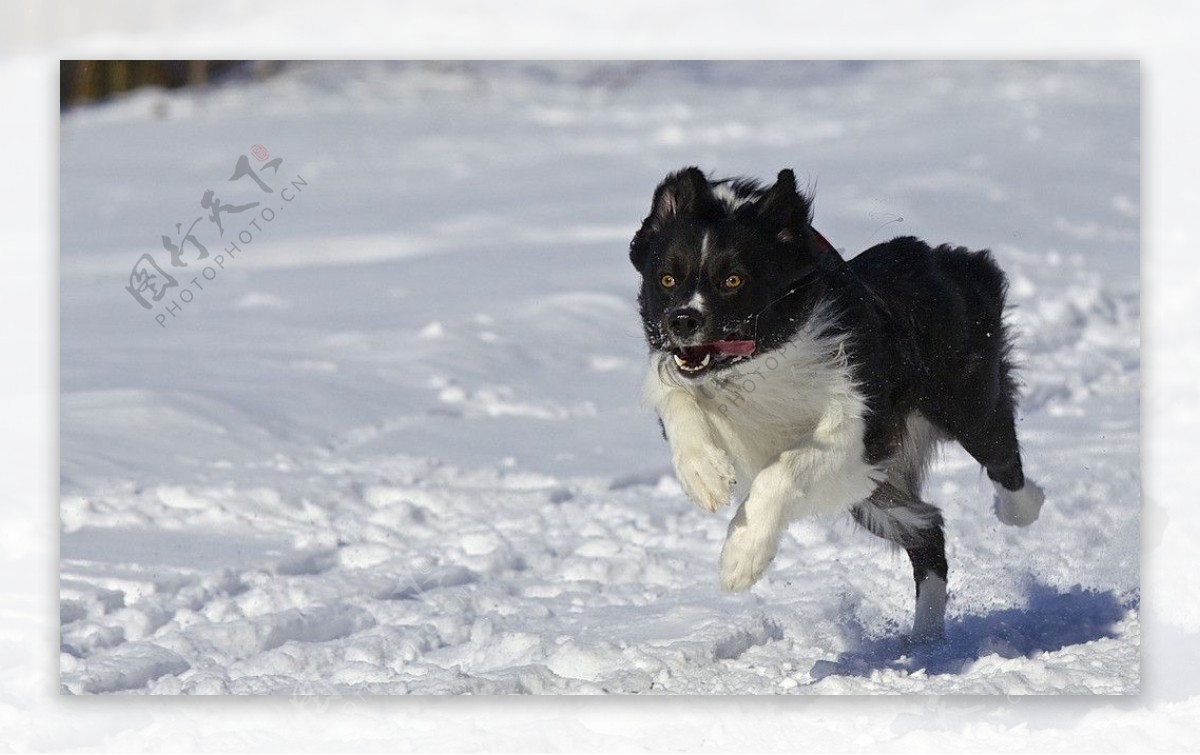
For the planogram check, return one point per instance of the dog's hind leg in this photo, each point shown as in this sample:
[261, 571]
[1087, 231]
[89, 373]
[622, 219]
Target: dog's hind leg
[929, 572]
[993, 443]
[978, 408]
[903, 519]
[896, 513]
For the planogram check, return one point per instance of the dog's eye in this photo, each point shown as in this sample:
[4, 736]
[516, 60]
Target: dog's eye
[667, 281]
[734, 281]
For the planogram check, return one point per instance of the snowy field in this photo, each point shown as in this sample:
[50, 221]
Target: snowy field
[394, 443]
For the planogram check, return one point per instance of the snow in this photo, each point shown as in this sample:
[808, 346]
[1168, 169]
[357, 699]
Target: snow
[395, 445]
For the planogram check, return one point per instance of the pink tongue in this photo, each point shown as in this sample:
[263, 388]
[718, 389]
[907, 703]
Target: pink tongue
[734, 348]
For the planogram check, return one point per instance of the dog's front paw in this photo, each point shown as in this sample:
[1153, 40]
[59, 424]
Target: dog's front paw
[706, 476]
[745, 557]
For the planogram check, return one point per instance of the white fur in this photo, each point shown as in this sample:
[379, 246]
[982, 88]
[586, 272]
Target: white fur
[703, 469]
[1019, 508]
[725, 194]
[697, 302]
[917, 447]
[929, 621]
[900, 522]
[789, 424]
[902, 514]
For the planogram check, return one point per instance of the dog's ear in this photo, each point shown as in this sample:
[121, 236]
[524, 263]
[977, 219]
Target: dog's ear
[686, 192]
[786, 208]
[639, 248]
[683, 193]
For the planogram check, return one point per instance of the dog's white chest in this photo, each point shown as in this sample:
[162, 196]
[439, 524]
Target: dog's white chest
[801, 393]
[758, 414]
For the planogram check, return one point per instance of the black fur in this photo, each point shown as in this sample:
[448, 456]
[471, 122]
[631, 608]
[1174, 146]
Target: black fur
[928, 334]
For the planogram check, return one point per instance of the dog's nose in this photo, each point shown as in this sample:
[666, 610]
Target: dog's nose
[684, 322]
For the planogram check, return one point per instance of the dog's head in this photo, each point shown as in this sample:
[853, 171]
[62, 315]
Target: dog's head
[726, 267]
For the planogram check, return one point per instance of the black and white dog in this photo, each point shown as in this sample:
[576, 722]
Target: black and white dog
[806, 383]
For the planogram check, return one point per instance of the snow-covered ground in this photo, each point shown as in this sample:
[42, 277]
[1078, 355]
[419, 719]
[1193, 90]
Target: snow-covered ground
[394, 444]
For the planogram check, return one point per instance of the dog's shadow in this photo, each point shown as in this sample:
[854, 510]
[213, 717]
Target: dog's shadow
[1051, 621]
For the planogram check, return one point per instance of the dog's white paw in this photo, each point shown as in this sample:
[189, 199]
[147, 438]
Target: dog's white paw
[929, 619]
[706, 475]
[745, 557]
[1019, 508]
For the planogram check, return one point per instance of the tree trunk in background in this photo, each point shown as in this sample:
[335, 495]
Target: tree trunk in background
[83, 81]
[197, 72]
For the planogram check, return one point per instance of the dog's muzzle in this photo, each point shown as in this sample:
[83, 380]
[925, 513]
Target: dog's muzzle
[695, 360]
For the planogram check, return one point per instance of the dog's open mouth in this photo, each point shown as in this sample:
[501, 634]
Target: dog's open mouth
[693, 360]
